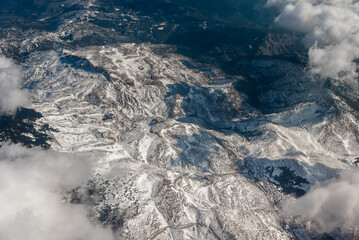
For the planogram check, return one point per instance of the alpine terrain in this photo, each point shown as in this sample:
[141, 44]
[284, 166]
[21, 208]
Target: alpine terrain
[196, 119]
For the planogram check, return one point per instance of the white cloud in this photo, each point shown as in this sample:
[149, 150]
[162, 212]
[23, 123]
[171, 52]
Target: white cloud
[11, 95]
[331, 29]
[32, 184]
[333, 205]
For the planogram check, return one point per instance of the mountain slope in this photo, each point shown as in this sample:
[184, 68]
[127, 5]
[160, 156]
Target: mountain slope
[191, 140]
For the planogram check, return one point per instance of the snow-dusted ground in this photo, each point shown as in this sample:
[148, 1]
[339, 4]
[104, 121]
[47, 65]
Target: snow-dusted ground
[151, 117]
[180, 151]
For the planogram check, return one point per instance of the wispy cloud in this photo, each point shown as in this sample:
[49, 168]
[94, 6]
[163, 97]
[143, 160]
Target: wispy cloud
[11, 95]
[32, 187]
[332, 205]
[331, 29]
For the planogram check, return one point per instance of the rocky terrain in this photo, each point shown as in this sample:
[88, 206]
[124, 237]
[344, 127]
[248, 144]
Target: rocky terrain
[209, 146]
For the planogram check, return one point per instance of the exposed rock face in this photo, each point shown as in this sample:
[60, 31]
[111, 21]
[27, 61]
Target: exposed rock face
[275, 44]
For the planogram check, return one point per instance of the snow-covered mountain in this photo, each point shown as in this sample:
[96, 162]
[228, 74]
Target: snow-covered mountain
[193, 140]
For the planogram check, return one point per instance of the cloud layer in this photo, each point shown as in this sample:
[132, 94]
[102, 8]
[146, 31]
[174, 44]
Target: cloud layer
[11, 95]
[332, 205]
[331, 29]
[32, 187]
